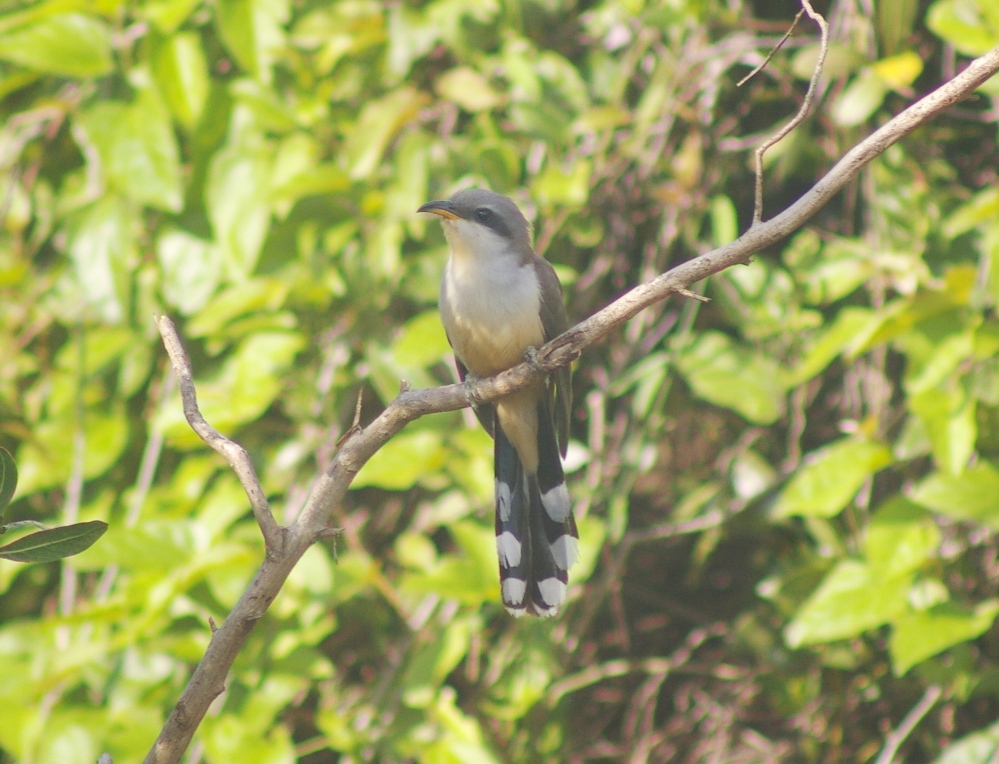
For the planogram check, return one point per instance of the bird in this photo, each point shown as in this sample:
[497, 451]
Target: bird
[498, 301]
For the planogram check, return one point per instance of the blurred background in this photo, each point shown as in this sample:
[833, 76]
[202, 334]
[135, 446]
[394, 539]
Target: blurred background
[787, 498]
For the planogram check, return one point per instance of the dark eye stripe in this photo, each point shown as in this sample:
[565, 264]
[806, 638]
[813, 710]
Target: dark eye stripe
[490, 219]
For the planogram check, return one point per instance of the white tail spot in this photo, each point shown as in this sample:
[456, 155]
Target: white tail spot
[508, 548]
[553, 592]
[565, 550]
[557, 504]
[513, 594]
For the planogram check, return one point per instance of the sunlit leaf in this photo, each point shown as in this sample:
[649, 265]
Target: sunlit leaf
[237, 197]
[467, 88]
[977, 748]
[949, 419]
[962, 25]
[138, 149]
[70, 44]
[900, 538]
[922, 634]
[252, 32]
[850, 600]
[900, 70]
[729, 375]
[970, 495]
[403, 462]
[860, 99]
[831, 478]
[378, 123]
[181, 72]
[191, 268]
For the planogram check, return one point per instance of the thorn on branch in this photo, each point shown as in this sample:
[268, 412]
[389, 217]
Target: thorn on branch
[331, 533]
[355, 426]
[692, 295]
[212, 625]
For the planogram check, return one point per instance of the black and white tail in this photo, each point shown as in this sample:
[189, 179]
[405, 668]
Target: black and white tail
[536, 536]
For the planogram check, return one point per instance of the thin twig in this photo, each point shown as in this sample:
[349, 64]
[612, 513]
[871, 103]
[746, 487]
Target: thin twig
[232, 452]
[802, 112]
[331, 487]
[773, 50]
[614, 668]
[143, 483]
[898, 736]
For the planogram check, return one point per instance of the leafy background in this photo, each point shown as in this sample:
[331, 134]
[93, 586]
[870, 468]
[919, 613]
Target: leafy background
[787, 498]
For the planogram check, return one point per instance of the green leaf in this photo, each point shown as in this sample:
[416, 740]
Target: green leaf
[191, 270]
[404, 461]
[54, 544]
[724, 220]
[252, 31]
[831, 478]
[732, 376]
[46, 460]
[949, 419]
[237, 197]
[968, 496]
[181, 73]
[422, 341]
[379, 121]
[569, 186]
[977, 748]
[860, 99]
[251, 379]
[922, 634]
[963, 26]
[900, 538]
[468, 89]
[834, 341]
[983, 207]
[167, 15]
[8, 478]
[138, 149]
[102, 249]
[851, 599]
[70, 44]
[899, 71]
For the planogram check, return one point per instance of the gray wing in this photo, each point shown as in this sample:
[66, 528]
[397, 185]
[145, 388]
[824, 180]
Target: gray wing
[486, 412]
[554, 321]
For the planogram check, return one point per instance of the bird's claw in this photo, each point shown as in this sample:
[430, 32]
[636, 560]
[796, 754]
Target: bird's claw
[531, 357]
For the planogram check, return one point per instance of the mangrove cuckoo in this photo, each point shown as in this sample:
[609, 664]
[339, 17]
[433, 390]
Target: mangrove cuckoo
[498, 300]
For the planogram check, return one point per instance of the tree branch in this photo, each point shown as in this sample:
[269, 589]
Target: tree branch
[232, 452]
[209, 677]
[898, 736]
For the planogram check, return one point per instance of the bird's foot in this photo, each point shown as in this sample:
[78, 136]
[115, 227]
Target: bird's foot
[531, 357]
[469, 382]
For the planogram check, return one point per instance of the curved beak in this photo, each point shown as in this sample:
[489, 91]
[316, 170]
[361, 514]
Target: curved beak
[443, 207]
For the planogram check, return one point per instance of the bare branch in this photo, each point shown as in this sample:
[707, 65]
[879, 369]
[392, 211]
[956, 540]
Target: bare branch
[802, 112]
[232, 452]
[898, 736]
[209, 677]
[773, 50]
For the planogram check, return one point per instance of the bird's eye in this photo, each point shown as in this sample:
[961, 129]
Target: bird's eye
[483, 214]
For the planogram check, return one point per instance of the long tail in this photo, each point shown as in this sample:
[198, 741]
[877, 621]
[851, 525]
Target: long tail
[536, 537]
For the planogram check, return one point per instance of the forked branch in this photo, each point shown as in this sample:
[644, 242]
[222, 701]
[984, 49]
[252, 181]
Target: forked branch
[209, 677]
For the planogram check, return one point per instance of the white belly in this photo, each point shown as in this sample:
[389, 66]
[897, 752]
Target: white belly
[491, 312]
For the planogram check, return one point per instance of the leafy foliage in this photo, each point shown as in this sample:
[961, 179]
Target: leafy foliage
[786, 498]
